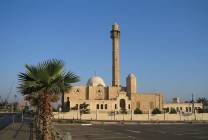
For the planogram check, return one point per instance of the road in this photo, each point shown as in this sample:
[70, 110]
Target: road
[7, 118]
[137, 132]
[18, 130]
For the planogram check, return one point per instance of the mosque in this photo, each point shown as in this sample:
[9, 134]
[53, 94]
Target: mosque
[104, 98]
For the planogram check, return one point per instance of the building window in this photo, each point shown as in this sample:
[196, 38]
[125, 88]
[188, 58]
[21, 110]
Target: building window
[77, 106]
[189, 109]
[186, 109]
[180, 108]
[106, 106]
[101, 107]
[97, 106]
[129, 106]
[115, 106]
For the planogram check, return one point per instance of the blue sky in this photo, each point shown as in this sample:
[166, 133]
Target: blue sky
[164, 43]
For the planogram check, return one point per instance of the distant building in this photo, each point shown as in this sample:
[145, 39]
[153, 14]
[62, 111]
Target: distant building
[116, 97]
[182, 106]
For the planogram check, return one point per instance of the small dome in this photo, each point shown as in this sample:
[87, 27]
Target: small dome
[131, 75]
[95, 81]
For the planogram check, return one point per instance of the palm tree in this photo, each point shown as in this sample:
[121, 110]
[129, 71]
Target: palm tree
[46, 79]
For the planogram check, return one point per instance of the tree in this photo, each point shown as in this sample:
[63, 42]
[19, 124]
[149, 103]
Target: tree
[156, 111]
[204, 102]
[138, 111]
[84, 108]
[172, 111]
[45, 79]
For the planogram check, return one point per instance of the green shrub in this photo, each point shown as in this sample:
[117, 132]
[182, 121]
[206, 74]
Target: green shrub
[165, 110]
[75, 107]
[202, 110]
[123, 111]
[138, 111]
[156, 111]
[172, 111]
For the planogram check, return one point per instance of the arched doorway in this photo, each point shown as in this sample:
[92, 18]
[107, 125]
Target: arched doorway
[68, 104]
[122, 104]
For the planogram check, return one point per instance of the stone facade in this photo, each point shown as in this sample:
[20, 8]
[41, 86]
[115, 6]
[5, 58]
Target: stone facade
[116, 97]
[182, 107]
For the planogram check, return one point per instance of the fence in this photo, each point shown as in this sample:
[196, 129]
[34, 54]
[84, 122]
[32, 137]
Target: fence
[134, 117]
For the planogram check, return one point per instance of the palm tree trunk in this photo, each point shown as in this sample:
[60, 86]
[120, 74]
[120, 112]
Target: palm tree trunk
[46, 115]
[39, 122]
[62, 101]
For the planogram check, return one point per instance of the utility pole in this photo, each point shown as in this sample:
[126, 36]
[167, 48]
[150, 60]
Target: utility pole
[192, 101]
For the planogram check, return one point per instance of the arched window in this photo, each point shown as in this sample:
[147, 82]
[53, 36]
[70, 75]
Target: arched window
[122, 104]
[106, 106]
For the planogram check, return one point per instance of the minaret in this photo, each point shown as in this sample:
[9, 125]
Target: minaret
[115, 34]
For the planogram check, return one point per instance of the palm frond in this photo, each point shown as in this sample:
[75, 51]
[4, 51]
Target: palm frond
[47, 75]
[54, 67]
[70, 77]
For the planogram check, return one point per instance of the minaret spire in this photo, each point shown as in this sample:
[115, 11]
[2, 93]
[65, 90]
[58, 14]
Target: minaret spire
[115, 34]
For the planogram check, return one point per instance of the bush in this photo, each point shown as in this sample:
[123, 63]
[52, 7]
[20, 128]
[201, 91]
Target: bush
[202, 110]
[123, 111]
[166, 110]
[172, 111]
[137, 111]
[156, 111]
[55, 109]
[205, 110]
[75, 107]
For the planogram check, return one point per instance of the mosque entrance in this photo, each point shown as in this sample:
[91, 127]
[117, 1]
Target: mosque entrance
[122, 104]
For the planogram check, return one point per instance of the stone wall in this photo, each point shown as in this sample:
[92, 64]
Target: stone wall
[147, 101]
[136, 117]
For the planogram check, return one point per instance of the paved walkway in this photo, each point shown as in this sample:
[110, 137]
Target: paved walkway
[18, 131]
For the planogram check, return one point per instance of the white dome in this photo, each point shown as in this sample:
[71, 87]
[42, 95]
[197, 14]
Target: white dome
[95, 81]
[131, 75]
